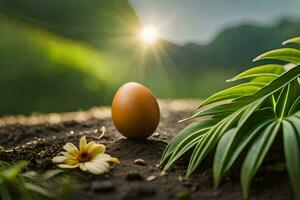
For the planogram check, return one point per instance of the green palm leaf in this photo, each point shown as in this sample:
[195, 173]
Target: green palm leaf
[219, 109]
[295, 106]
[270, 88]
[209, 140]
[256, 154]
[284, 54]
[241, 90]
[271, 70]
[274, 86]
[247, 116]
[232, 144]
[291, 143]
[185, 145]
[263, 79]
[283, 101]
[191, 129]
[293, 40]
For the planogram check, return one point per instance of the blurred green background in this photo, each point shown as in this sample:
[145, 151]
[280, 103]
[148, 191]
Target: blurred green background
[66, 55]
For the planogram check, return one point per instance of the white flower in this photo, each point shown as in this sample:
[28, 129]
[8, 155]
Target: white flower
[90, 157]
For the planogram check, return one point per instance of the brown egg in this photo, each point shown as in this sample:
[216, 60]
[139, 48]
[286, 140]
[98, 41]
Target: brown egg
[135, 111]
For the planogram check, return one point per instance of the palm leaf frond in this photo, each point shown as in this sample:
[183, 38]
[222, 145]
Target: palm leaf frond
[247, 117]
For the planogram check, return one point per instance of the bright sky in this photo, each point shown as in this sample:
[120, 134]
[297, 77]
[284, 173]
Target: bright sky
[183, 21]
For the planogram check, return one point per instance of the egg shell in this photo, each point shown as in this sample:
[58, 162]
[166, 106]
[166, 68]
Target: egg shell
[135, 111]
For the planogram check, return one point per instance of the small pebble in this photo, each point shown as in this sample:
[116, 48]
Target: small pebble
[156, 134]
[151, 178]
[134, 177]
[102, 186]
[96, 130]
[181, 178]
[71, 132]
[140, 162]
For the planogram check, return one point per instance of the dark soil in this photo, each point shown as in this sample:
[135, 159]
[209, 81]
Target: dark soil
[38, 141]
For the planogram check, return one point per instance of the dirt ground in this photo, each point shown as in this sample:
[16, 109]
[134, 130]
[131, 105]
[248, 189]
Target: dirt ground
[38, 138]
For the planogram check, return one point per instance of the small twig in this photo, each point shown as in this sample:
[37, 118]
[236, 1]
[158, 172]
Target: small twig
[102, 134]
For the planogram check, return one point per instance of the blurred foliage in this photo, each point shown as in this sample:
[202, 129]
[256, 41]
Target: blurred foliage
[32, 185]
[40, 72]
[106, 24]
[67, 55]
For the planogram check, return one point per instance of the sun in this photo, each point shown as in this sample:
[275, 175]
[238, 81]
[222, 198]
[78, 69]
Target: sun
[149, 34]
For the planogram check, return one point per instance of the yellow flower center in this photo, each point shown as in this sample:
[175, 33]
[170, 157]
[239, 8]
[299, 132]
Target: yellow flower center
[84, 157]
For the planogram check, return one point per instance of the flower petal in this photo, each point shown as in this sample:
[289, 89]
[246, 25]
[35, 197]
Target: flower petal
[67, 154]
[64, 160]
[99, 163]
[107, 158]
[102, 157]
[82, 167]
[97, 167]
[115, 160]
[59, 159]
[70, 162]
[71, 148]
[97, 149]
[67, 166]
[82, 144]
[90, 146]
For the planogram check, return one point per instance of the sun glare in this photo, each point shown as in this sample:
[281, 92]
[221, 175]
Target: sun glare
[149, 34]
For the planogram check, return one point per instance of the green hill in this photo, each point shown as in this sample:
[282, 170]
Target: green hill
[236, 47]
